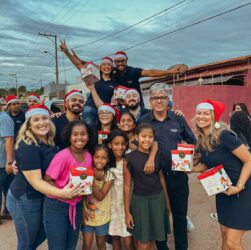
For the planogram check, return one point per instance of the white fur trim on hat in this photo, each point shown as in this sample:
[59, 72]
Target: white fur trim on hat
[36, 111]
[33, 97]
[205, 105]
[72, 94]
[120, 55]
[12, 100]
[132, 91]
[107, 60]
[107, 108]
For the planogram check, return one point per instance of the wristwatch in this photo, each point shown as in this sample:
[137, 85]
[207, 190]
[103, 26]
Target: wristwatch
[9, 162]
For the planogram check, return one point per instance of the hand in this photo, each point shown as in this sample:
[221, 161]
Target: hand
[14, 167]
[98, 174]
[63, 45]
[69, 192]
[149, 166]
[129, 221]
[179, 113]
[8, 169]
[75, 55]
[56, 115]
[196, 159]
[232, 190]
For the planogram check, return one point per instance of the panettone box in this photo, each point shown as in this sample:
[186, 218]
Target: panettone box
[120, 92]
[182, 160]
[82, 175]
[102, 135]
[190, 147]
[90, 73]
[215, 180]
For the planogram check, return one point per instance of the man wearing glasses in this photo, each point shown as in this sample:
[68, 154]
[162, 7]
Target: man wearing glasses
[171, 129]
[17, 115]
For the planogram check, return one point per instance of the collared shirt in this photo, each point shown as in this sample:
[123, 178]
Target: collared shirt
[130, 79]
[6, 130]
[168, 133]
[140, 114]
[18, 119]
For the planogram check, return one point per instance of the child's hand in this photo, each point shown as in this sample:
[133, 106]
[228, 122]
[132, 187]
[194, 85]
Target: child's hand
[99, 175]
[129, 221]
[149, 166]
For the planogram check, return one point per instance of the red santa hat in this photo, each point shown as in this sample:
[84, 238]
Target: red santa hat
[11, 98]
[37, 109]
[132, 91]
[33, 96]
[107, 59]
[217, 107]
[110, 108]
[121, 54]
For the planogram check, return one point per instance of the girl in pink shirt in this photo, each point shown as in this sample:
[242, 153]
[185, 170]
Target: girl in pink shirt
[62, 218]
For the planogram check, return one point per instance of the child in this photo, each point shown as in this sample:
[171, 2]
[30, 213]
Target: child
[118, 144]
[62, 218]
[97, 206]
[146, 210]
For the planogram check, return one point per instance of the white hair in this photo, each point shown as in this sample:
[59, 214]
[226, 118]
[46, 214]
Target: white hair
[157, 87]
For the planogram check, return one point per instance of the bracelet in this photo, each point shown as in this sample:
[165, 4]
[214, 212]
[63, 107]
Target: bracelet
[240, 186]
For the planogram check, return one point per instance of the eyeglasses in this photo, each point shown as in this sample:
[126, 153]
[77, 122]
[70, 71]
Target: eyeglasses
[32, 101]
[105, 113]
[156, 98]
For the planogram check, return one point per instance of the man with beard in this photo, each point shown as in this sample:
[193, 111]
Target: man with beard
[17, 115]
[74, 103]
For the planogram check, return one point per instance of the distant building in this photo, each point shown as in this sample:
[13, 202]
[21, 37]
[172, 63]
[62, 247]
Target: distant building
[228, 81]
[51, 93]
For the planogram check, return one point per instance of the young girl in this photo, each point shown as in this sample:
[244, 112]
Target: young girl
[146, 211]
[118, 144]
[97, 206]
[62, 218]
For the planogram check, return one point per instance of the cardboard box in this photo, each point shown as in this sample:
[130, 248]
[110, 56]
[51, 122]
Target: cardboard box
[82, 175]
[102, 135]
[215, 180]
[190, 147]
[90, 73]
[182, 160]
[119, 92]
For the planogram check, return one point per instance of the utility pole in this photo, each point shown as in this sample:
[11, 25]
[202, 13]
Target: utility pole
[56, 59]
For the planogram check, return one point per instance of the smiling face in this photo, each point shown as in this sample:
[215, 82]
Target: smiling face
[40, 126]
[145, 139]
[75, 104]
[237, 108]
[132, 100]
[79, 137]
[126, 123]
[105, 117]
[158, 101]
[204, 119]
[100, 158]
[106, 68]
[120, 64]
[118, 146]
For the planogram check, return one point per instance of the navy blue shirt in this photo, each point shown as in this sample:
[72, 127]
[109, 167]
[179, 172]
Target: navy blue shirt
[222, 154]
[104, 90]
[168, 133]
[31, 157]
[18, 121]
[130, 79]
[141, 113]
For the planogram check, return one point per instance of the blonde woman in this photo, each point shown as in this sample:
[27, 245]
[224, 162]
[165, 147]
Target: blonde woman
[219, 145]
[34, 150]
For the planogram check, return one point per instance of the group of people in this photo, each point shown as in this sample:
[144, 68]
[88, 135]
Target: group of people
[127, 149]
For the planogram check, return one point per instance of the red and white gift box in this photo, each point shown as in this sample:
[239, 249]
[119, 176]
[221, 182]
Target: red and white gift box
[120, 92]
[190, 147]
[215, 180]
[82, 175]
[90, 73]
[182, 160]
[102, 135]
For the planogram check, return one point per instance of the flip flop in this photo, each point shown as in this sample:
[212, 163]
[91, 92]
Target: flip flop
[181, 67]
[214, 216]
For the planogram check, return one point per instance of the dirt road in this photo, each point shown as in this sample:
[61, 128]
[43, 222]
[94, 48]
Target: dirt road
[206, 235]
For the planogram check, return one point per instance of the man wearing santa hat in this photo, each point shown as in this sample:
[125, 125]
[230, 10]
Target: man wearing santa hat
[33, 99]
[74, 103]
[18, 116]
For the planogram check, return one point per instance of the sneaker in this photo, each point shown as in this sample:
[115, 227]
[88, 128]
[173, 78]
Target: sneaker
[190, 225]
[214, 216]
[6, 216]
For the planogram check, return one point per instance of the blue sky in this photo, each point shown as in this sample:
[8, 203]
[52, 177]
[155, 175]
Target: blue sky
[84, 21]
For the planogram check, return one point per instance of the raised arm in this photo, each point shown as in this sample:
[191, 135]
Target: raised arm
[97, 100]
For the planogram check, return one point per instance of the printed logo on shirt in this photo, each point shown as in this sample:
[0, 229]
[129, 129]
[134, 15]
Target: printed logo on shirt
[18, 121]
[130, 82]
[174, 130]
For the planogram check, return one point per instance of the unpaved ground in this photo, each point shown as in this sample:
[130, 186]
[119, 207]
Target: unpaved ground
[206, 235]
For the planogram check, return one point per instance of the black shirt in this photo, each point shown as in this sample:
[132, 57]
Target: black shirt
[130, 79]
[168, 134]
[141, 113]
[104, 90]
[143, 184]
[60, 122]
[18, 121]
[31, 157]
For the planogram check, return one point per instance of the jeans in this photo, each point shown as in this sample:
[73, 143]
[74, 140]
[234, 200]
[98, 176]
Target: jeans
[60, 232]
[90, 115]
[27, 216]
[5, 181]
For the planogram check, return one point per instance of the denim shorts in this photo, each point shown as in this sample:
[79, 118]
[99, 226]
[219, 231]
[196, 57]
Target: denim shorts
[99, 230]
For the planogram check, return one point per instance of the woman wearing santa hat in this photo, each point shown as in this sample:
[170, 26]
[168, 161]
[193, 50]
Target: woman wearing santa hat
[100, 92]
[219, 145]
[34, 150]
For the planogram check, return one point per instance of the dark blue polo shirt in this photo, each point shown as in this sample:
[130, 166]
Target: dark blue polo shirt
[129, 79]
[104, 90]
[168, 134]
[18, 121]
[60, 122]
